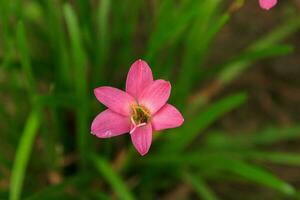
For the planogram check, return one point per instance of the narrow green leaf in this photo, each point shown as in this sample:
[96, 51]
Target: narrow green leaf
[182, 137]
[223, 162]
[103, 39]
[237, 65]
[57, 40]
[258, 175]
[23, 154]
[197, 46]
[266, 136]
[81, 87]
[25, 58]
[264, 47]
[78, 54]
[291, 159]
[52, 191]
[202, 189]
[279, 34]
[99, 195]
[172, 21]
[56, 100]
[275, 134]
[6, 33]
[112, 178]
[84, 12]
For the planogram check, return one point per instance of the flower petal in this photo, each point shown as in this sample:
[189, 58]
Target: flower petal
[155, 95]
[167, 117]
[142, 138]
[138, 78]
[115, 99]
[109, 124]
[267, 4]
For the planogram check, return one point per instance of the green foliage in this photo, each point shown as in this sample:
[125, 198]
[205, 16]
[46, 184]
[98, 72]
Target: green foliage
[80, 82]
[58, 191]
[206, 118]
[23, 154]
[200, 187]
[53, 53]
[112, 178]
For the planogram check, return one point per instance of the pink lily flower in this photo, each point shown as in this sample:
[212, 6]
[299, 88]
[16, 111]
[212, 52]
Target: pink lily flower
[142, 109]
[267, 4]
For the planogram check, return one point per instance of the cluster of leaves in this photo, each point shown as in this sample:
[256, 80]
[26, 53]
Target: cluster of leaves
[53, 53]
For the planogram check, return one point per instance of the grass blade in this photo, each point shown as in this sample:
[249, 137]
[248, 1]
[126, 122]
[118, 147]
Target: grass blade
[112, 178]
[257, 175]
[103, 47]
[201, 34]
[224, 163]
[57, 39]
[275, 134]
[52, 191]
[78, 57]
[23, 154]
[241, 62]
[290, 159]
[265, 47]
[268, 136]
[203, 191]
[179, 141]
[171, 26]
[279, 34]
[25, 58]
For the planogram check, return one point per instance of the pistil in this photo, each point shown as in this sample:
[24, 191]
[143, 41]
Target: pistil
[140, 117]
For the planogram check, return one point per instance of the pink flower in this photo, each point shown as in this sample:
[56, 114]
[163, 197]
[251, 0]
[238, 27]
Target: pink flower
[267, 4]
[139, 111]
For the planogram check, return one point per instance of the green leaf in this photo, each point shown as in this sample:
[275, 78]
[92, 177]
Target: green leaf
[200, 35]
[25, 58]
[171, 23]
[279, 34]
[78, 54]
[23, 154]
[275, 134]
[6, 33]
[112, 178]
[264, 137]
[258, 175]
[213, 162]
[81, 87]
[56, 100]
[53, 191]
[237, 65]
[182, 137]
[57, 38]
[202, 189]
[291, 159]
[264, 47]
[103, 47]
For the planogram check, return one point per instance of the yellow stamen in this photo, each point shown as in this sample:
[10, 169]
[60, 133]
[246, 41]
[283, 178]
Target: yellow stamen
[140, 114]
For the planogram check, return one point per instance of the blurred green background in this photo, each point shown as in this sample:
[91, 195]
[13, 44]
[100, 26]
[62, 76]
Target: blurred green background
[234, 70]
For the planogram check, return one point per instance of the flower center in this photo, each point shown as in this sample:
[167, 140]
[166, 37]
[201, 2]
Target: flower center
[140, 114]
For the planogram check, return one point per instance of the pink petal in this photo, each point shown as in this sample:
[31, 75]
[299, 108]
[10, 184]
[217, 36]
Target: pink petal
[155, 95]
[138, 78]
[115, 99]
[167, 117]
[109, 124]
[267, 4]
[142, 139]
